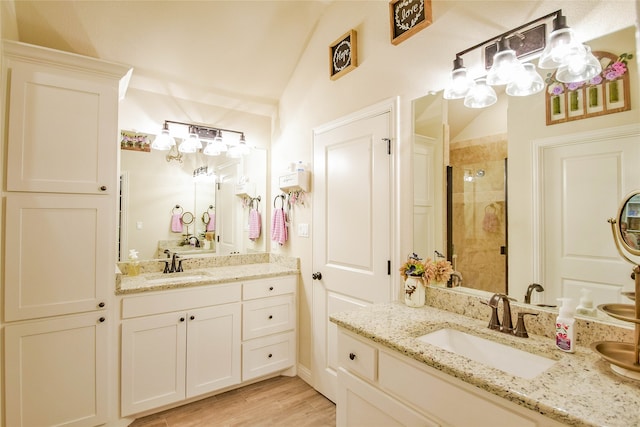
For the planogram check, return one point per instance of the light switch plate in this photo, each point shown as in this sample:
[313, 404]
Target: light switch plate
[303, 230]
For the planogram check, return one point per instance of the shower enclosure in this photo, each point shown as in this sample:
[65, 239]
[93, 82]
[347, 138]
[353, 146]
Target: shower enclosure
[477, 214]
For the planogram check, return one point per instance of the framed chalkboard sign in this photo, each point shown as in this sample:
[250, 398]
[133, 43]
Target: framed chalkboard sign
[343, 55]
[407, 17]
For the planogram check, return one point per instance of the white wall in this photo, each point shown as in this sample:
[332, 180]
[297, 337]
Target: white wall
[408, 71]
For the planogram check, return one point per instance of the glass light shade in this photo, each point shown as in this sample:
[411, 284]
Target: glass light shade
[504, 69]
[218, 144]
[579, 67]
[526, 83]
[562, 43]
[481, 95]
[164, 141]
[459, 84]
[190, 145]
[210, 150]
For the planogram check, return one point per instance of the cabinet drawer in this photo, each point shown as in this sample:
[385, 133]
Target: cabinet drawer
[263, 356]
[443, 398]
[357, 356]
[167, 301]
[269, 287]
[267, 316]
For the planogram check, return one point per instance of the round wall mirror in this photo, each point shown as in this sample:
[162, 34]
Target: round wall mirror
[628, 221]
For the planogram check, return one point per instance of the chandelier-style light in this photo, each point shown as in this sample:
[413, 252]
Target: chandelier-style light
[203, 139]
[573, 60]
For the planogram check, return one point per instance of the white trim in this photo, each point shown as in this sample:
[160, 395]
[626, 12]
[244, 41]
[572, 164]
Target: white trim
[538, 148]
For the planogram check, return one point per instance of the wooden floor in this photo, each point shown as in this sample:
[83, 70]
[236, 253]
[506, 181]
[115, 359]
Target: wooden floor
[276, 402]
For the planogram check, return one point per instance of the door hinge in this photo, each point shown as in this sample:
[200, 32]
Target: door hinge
[388, 145]
[389, 268]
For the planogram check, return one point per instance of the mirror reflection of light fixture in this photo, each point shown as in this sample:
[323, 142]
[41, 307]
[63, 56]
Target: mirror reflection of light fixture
[202, 139]
[562, 50]
[527, 82]
[481, 95]
[579, 67]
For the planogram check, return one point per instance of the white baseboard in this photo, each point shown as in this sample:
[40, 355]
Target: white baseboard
[305, 374]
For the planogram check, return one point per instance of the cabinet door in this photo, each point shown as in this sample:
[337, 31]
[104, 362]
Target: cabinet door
[213, 348]
[56, 372]
[360, 404]
[59, 117]
[153, 362]
[59, 257]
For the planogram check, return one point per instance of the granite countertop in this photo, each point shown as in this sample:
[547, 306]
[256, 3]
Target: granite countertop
[207, 271]
[579, 390]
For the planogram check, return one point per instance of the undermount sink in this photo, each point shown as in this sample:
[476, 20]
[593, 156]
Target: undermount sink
[499, 356]
[170, 278]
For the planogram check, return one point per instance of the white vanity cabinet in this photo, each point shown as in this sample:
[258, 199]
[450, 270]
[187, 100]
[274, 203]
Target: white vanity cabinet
[183, 343]
[379, 387]
[268, 326]
[179, 344]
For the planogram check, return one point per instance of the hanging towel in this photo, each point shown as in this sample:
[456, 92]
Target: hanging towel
[491, 222]
[279, 226]
[254, 224]
[176, 223]
[211, 225]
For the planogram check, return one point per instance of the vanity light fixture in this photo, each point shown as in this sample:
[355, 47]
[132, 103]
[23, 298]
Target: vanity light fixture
[574, 61]
[207, 140]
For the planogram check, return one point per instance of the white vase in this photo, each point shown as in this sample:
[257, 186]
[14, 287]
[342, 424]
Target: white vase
[414, 292]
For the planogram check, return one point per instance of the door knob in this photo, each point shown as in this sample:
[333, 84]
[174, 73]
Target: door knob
[316, 276]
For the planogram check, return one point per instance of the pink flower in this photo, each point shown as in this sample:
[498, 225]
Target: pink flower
[557, 90]
[574, 85]
[596, 80]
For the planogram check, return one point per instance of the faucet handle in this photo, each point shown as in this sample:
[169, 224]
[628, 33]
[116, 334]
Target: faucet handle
[494, 301]
[521, 329]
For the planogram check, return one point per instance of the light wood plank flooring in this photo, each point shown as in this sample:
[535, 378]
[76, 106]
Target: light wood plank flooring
[276, 402]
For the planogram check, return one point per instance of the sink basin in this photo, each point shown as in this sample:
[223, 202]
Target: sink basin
[507, 359]
[177, 279]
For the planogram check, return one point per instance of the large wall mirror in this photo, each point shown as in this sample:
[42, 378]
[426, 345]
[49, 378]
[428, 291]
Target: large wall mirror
[154, 189]
[559, 185]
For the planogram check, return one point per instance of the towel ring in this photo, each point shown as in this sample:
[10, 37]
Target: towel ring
[279, 196]
[173, 211]
[187, 218]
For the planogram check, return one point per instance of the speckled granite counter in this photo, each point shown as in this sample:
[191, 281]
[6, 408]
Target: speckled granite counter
[579, 390]
[200, 271]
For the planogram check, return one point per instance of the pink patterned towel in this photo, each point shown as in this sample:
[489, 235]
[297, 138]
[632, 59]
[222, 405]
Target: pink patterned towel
[254, 224]
[176, 223]
[279, 226]
[211, 225]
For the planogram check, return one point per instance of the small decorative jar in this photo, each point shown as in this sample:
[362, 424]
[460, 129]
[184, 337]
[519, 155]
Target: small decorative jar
[414, 291]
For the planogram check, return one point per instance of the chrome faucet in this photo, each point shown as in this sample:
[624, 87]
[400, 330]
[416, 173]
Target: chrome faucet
[532, 287]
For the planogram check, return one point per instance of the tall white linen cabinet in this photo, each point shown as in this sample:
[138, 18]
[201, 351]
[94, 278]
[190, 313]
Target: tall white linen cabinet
[61, 195]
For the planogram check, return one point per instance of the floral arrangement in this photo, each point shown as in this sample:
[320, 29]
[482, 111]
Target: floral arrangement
[611, 72]
[439, 270]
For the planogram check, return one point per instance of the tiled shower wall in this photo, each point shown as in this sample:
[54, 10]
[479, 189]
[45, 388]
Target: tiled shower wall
[479, 211]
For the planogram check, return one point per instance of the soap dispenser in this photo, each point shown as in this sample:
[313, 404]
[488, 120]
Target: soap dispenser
[133, 269]
[585, 307]
[565, 326]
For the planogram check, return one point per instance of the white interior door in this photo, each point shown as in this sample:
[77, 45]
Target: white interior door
[584, 182]
[352, 229]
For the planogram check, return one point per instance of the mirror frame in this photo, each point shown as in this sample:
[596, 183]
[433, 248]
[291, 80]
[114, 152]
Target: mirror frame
[618, 235]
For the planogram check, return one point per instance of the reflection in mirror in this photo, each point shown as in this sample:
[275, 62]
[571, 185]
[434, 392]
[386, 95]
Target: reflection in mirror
[629, 224]
[151, 187]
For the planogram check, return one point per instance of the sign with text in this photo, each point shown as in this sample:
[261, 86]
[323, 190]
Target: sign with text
[343, 55]
[407, 17]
